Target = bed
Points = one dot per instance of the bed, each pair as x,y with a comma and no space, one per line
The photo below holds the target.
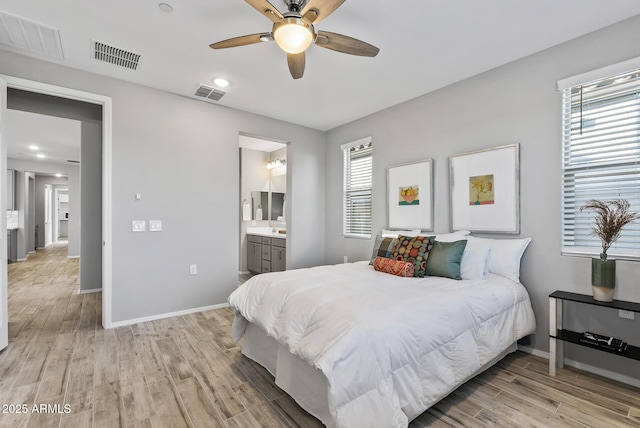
355,346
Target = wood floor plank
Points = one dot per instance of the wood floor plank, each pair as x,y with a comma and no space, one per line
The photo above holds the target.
198,404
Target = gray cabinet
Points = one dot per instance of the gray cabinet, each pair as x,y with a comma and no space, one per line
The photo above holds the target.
254,254
266,254
278,255
12,245
11,189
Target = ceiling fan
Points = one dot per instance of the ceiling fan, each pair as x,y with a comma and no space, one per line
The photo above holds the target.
294,32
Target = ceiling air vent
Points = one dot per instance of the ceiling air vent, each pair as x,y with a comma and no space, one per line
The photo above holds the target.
115,56
213,94
73,161
29,37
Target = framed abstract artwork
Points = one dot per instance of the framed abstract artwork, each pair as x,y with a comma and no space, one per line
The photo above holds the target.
410,195
485,190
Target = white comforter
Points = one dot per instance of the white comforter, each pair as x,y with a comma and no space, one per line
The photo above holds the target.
390,347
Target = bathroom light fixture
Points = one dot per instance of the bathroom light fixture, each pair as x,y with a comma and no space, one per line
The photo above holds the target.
293,35
276,163
58,175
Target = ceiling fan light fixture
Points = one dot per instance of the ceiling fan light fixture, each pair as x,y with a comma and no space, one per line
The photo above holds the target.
293,35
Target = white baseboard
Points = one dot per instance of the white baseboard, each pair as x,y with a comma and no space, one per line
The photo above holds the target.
242,272
586,367
167,315
92,290
73,257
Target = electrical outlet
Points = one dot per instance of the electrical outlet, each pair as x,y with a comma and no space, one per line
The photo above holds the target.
193,269
625,314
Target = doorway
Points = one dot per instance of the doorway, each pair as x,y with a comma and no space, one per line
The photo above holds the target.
263,204
104,130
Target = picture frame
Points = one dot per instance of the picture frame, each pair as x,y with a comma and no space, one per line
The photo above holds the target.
485,190
410,195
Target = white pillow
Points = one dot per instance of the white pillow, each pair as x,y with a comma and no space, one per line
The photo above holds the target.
474,263
387,233
505,255
457,235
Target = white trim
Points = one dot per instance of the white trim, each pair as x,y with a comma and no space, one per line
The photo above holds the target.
73,257
93,290
586,367
168,315
107,134
600,73
365,140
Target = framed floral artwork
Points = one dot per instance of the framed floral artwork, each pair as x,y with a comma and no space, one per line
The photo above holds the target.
485,190
410,196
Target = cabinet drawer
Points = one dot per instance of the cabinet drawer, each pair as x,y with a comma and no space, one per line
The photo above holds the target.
266,241
266,266
254,238
266,253
279,242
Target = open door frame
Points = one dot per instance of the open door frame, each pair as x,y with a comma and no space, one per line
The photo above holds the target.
4,306
107,251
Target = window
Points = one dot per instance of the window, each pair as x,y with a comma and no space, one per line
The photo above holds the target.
357,188
601,158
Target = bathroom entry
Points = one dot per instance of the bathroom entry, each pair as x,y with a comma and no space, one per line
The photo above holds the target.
263,197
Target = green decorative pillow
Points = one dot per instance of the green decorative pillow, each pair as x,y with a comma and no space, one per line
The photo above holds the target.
414,249
382,248
444,259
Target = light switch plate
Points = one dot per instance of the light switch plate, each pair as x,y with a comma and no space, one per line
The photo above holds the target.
138,225
155,225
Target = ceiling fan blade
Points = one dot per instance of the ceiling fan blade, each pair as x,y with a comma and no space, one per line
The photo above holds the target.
345,44
241,41
266,8
322,8
296,64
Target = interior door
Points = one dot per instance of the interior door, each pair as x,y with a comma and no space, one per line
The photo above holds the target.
4,316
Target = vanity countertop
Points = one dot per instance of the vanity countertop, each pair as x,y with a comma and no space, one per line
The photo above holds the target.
266,231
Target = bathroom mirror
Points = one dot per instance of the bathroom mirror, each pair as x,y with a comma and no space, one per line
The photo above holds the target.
277,206
260,205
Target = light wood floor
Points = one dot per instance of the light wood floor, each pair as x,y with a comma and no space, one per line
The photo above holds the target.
186,371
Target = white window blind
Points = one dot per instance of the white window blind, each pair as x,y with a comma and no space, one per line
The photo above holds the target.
601,159
357,181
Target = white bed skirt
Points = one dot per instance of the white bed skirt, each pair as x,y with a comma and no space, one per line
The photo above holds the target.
306,384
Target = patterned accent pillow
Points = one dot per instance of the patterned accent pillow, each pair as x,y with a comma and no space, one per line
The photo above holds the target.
413,249
394,267
382,248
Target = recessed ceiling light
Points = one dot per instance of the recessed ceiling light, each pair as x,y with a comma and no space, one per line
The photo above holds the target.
33,147
58,175
167,8
41,155
223,83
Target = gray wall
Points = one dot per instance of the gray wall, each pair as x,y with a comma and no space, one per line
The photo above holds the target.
515,103
181,155
91,206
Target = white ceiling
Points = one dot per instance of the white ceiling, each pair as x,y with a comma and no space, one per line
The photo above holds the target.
57,139
424,45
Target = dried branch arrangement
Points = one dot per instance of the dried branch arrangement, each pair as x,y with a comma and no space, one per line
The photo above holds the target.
610,218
